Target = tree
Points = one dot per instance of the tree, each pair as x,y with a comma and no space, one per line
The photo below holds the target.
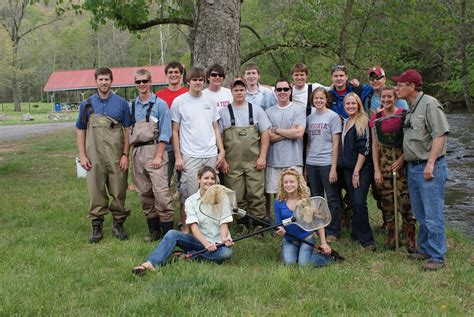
12,14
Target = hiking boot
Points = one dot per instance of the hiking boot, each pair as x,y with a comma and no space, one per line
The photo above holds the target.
166,226
97,234
369,247
153,230
432,266
410,238
331,238
418,256
117,229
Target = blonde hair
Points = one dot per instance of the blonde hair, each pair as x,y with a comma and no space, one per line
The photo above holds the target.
303,190
361,120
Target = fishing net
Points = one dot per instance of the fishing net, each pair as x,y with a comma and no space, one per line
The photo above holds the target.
218,202
389,130
312,213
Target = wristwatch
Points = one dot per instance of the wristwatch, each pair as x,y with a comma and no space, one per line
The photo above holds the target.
124,154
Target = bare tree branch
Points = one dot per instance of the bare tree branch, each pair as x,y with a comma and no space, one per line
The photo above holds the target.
159,21
39,26
251,29
276,46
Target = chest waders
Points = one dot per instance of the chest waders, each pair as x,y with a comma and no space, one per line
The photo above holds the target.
104,147
150,183
242,148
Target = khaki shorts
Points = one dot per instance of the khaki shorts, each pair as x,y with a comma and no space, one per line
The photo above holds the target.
272,177
189,177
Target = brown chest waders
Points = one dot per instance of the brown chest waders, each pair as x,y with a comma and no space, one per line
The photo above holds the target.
104,147
242,148
150,183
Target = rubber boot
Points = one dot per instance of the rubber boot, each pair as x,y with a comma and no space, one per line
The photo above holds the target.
118,231
410,238
97,234
153,229
390,243
166,226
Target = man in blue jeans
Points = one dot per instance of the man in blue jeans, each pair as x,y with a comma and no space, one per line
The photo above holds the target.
424,146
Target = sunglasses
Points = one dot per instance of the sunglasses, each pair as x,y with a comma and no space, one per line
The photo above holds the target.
339,67
372,78
217,75
143,81
285,89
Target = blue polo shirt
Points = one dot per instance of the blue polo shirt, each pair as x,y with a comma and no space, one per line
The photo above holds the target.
160,111
114,106
282,212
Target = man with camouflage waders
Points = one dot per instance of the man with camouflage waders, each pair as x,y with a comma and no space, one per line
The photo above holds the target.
102,140
246,139
149,134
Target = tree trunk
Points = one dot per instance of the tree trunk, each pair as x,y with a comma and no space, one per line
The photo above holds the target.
16,89
347,15
216,35
464,37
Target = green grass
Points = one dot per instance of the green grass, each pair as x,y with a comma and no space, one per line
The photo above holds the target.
49,268
38,110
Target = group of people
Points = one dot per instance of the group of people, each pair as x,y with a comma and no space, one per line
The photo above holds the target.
261,142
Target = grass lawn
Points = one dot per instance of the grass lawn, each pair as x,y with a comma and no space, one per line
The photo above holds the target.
38,110
49,268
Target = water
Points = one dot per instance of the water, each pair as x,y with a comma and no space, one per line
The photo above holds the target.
459,199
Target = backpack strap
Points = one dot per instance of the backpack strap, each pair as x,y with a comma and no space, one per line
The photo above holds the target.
87,108
148,111
231,113
308,101
251,122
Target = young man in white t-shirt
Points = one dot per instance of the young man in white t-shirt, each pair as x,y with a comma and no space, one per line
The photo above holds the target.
196,136
219,95
301,90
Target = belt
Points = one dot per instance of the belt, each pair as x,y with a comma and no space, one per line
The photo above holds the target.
138,144
424,161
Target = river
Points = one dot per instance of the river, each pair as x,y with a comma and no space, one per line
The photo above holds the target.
459,199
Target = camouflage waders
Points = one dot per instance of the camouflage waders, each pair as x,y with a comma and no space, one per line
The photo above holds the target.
403,199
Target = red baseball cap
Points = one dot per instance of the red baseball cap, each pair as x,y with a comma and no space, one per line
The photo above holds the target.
377,70
409,76
238,81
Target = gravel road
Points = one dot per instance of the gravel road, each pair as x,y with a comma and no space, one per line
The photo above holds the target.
14,132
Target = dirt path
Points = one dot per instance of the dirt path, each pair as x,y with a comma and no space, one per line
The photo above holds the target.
14,132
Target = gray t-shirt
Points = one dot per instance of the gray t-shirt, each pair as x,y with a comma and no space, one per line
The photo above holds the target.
287,152
241,114
321,126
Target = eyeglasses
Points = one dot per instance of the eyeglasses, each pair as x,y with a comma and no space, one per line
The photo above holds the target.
217,75
339,67
143,81
372,78
285,89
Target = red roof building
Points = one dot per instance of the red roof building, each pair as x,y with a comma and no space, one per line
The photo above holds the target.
84,79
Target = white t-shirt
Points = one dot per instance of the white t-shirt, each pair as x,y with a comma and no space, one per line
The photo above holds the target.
220,98
300,96
241,115
195,116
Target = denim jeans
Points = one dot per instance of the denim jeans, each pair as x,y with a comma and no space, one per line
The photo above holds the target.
301,253
427,202
188,243
360,226
318,177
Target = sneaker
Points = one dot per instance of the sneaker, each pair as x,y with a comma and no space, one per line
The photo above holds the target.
331,238
370,247
260,235
242,230
418,256
432,266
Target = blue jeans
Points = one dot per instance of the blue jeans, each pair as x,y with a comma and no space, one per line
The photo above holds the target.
188,243
360,226
427,202
301,253
318,177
